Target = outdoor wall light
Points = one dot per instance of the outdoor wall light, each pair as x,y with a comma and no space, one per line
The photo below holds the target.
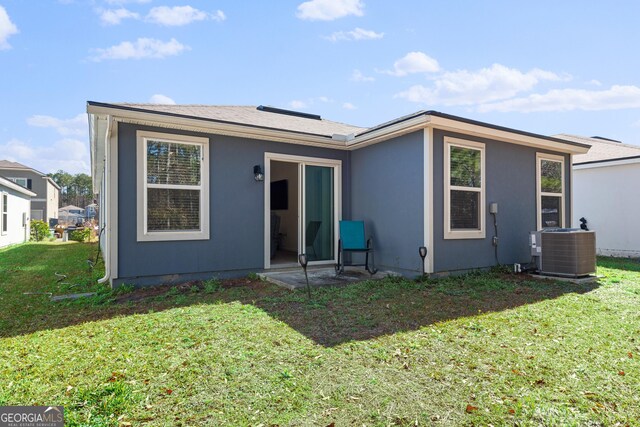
257,173
422,250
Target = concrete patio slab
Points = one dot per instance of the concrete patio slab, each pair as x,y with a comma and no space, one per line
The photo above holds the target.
320,276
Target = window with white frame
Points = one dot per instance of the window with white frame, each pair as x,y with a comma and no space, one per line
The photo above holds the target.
5,213
550,183
464,195
20,181
173,175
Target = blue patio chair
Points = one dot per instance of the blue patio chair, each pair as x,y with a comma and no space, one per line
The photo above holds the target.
352,239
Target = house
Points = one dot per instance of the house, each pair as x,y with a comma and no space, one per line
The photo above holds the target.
91,211
192,191
71,214
44,206
607,195
15,205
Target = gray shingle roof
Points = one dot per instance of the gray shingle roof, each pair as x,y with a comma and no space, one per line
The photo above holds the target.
6,164
250,115
601,150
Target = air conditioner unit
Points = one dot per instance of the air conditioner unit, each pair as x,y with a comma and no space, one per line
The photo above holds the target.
569,252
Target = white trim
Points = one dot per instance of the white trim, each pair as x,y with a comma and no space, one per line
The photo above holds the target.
428,198
570,225
504,136
143,234
4,210
388,132
373,137
114,143
540,193
606,163
450,233
13,186
302,161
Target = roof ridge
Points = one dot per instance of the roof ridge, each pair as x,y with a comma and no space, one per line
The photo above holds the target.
183,105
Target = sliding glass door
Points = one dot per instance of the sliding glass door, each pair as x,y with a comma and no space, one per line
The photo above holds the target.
318,187
319,212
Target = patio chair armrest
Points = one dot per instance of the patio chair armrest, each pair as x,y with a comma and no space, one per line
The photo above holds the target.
370,243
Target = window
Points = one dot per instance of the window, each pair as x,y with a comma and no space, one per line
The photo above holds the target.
464,189
5,212
20,181
173,177
550,189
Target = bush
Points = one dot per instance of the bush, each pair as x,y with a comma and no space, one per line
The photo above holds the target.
39,230
80,235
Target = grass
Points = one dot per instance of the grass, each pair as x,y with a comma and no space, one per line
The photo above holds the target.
480,349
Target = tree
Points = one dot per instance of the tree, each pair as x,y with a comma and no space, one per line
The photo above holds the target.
74,189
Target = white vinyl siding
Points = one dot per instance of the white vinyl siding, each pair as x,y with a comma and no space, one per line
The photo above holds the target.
172,188
464,189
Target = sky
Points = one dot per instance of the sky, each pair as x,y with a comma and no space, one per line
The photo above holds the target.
547,67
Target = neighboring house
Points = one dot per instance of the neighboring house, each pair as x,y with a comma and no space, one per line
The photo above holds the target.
71,214
15,205
182,195
607,194
44,206
91,211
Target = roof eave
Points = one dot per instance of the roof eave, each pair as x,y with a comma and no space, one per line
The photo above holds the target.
125,113
17,187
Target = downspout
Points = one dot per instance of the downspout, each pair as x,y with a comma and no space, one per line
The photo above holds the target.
106,211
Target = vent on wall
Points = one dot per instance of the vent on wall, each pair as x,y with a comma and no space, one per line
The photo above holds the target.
566,252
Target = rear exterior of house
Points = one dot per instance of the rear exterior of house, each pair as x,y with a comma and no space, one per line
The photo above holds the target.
182,198
44,206
606,194
15,205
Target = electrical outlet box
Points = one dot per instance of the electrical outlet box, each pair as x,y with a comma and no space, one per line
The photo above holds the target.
493,208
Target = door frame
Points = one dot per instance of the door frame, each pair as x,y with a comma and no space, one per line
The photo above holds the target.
301,161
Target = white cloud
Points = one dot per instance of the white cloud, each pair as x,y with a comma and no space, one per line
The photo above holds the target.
116,16
349,106
615,98
357,76
68,154
328,10
7,29
465,87
414,62
296,103
76,126
120,2
181,15
594,82
161,99
356,34
142,48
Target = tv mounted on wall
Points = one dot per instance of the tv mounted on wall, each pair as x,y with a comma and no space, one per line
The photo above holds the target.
280,195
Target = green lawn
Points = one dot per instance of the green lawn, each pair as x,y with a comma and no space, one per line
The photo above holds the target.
474,350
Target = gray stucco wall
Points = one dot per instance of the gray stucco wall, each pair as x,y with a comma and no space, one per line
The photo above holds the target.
387,193
38,186
236,242
511,182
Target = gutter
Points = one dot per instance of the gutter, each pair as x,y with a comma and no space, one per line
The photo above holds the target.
106,232
401,126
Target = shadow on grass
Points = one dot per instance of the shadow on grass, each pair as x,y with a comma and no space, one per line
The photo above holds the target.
333,316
